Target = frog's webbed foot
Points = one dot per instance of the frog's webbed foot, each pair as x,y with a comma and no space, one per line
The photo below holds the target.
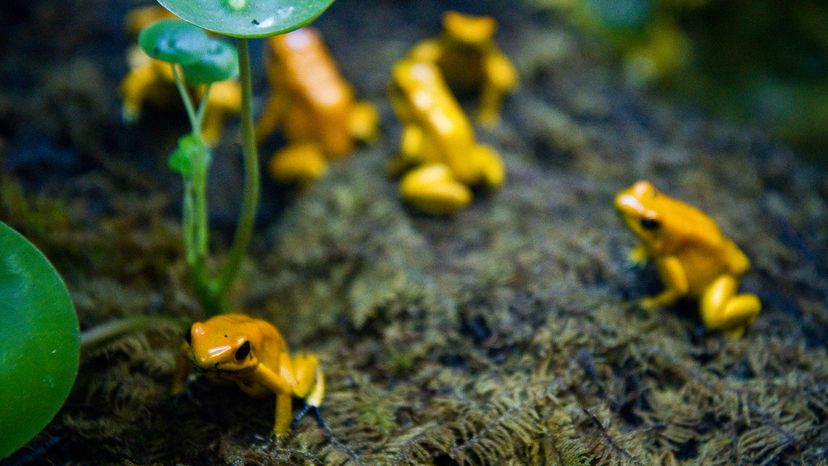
433,189
722,309
317,414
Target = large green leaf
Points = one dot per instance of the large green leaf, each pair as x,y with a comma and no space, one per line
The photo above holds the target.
39,341
248,18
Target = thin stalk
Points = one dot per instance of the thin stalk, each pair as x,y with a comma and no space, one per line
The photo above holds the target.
195,222
244,229
202,106
188,226
185,97
96,335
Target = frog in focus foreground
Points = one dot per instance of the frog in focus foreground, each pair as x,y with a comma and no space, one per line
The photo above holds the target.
314,106
692,255
252,353
438,143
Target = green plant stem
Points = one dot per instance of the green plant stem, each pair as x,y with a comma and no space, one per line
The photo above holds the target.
244,230
202,106
188,102
195,216
96,335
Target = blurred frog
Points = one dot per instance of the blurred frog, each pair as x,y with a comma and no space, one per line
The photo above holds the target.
314,106
252,353
438,142
471,61
151,81
693,257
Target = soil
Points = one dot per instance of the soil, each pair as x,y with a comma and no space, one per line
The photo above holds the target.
506,334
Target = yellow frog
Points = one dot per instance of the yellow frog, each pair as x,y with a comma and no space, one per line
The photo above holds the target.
252,353
152,81
470,60
693,257
314,106
438,140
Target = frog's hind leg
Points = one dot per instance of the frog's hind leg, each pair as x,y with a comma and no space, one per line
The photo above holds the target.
433,189
722,309
310,381
300,162
310,387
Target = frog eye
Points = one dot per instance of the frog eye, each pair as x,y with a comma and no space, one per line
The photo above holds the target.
243,351
188,335
650,224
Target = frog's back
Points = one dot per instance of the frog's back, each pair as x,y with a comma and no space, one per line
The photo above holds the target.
698,238
310,72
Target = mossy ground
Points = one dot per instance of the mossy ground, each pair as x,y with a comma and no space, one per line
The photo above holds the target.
507,334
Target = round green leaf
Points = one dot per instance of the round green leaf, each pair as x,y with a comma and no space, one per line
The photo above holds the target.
219,64
39,341
247,18
175,41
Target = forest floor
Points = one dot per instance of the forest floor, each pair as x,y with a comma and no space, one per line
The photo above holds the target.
506,334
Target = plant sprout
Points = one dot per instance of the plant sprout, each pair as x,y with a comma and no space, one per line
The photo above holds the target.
197,58
39,341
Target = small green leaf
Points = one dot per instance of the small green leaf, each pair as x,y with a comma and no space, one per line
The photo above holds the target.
39,341
248,18
220,64
175,41
190,151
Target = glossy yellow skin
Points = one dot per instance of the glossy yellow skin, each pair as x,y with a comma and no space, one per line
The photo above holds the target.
267,368
692,256
151,81
471,61
437,142
313,105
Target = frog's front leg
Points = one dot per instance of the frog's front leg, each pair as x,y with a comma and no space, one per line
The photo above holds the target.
675,284
363,122
411,146
723,309
491,166
182,370
271,116
280,386
135,88
500,78
638,255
